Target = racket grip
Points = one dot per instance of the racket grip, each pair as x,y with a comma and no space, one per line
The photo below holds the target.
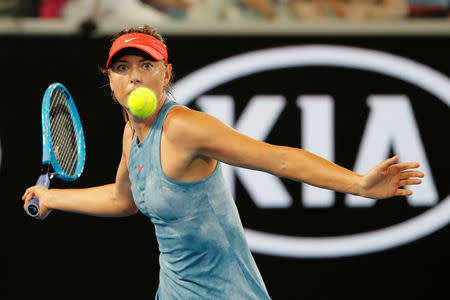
32,207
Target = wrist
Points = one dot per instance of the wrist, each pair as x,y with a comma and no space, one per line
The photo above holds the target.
357,186
49,199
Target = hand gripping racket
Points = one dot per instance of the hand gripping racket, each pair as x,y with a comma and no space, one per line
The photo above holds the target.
63,147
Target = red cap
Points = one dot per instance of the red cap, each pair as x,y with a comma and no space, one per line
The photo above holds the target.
154,47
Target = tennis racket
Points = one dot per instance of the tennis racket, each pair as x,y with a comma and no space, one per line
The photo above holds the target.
63,146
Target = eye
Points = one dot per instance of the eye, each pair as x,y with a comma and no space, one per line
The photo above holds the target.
147,65
120,67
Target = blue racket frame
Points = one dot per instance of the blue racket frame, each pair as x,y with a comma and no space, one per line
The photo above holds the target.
48,153
49,160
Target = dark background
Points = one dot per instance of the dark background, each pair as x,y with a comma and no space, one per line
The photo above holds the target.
72,256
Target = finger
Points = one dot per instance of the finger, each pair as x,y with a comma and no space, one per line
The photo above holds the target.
407,165
403,192
388,162
27,191
30,196
26,195
409,174
30,191
409,182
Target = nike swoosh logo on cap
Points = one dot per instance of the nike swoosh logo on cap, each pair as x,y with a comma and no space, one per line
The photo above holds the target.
129,40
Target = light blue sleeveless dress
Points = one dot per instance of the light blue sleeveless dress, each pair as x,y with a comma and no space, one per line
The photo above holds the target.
203,251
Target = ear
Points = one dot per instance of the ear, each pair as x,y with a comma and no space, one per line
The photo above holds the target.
168,74
109,78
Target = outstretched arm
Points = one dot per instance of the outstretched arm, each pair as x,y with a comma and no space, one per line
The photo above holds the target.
204,135
107,200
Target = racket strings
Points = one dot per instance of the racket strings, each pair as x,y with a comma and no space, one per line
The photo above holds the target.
63,134
60,133
66,138
65,156
65,142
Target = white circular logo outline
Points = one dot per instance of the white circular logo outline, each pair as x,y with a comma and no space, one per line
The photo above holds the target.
186,89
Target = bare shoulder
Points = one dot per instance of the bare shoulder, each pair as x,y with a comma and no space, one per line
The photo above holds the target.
179,122
181,115
185,124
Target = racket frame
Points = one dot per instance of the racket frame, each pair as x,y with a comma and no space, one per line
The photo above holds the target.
48,152
49,160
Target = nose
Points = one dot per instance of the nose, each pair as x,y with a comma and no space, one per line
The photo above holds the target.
135,75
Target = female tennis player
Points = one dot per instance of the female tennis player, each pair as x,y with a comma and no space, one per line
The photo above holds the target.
170,171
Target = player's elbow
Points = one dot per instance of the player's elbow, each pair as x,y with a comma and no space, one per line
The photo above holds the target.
123,206
287,163
127,208
130,211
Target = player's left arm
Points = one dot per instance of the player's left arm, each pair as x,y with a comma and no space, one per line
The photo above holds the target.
204,135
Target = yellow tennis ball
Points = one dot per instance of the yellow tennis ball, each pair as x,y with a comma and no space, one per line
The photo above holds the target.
142,102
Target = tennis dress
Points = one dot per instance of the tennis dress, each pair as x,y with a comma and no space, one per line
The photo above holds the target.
203,251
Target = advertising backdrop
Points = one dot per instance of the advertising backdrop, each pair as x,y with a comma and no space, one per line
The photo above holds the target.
355,100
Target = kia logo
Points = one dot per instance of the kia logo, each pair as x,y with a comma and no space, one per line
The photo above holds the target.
266,191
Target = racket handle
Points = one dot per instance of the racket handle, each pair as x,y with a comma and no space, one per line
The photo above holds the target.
32,207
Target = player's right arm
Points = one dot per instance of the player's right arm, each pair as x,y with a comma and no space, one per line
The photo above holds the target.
111,200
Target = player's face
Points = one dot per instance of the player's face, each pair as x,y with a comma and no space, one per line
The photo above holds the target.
131,71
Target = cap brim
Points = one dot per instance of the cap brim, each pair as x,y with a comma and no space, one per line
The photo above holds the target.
149,50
